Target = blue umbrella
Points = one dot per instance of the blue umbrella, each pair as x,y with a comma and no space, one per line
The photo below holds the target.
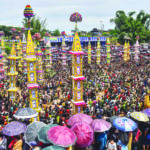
124,124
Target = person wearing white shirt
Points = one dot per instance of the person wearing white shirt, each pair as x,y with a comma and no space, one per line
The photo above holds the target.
112,145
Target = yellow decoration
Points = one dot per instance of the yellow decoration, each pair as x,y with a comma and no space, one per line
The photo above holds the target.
125,52
98,52
89,53
12,74
108,50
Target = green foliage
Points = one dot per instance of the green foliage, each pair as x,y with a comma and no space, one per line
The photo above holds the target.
56,33
36,24
7,49
127,25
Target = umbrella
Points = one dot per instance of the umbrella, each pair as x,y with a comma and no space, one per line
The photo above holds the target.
24,113
78,118
84,134
147,112
124,124
54,147
61,136
42,134
14,128
139,116
32,131
100,125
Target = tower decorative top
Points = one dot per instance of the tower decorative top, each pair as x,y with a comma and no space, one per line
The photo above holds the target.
76,17
30,47
28,12
13,51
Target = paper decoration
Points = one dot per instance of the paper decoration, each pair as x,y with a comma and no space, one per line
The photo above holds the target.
78,59
79,109
78,70
78,84
78,95
33,94
34,103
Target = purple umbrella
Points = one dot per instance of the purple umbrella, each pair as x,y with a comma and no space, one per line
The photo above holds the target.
61,136
14,128
84,134
100,125
147,111
78,118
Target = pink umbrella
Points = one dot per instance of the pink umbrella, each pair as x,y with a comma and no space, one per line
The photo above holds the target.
78,118
61,136
84,134
100,125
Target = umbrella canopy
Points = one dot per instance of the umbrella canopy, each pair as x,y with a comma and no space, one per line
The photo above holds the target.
61,136
100,125
54,147
139,116
147,112
32,131
14,128
124,124
42,134
24,113
84,134
78,118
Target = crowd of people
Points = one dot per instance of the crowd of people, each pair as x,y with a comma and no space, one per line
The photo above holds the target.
114,89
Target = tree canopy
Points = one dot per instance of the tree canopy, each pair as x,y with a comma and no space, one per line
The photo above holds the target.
131,26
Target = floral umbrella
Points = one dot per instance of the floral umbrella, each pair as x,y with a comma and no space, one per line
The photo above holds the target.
124,124
139,116
61,136
24,113
147,112
32,131
42,134
78,118
100,125
84,134
14,128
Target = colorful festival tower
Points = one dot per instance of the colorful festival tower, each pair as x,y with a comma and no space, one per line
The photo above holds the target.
4,56
1,65
108,51
19,53
98,51
63,53
39,70
48,60
31,73
89,53
77,75
136,52
24,42
125,52
13,73
128,51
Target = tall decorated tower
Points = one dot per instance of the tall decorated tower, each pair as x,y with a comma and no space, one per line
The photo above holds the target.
98,52
48,59
125,52
89,52
77,73
1,65
108,50
136,52
40,72
31,72
13,73
63,53
128,51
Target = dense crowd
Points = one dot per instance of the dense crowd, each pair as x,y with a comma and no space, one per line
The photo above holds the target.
110,90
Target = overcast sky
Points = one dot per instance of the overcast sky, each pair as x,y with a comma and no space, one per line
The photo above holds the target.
57,12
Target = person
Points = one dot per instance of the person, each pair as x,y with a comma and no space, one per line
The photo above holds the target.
16,143
111,145
3,142
34,145
146,141
101,140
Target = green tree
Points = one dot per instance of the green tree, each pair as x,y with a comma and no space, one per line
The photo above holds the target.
36,24
127,25
56,33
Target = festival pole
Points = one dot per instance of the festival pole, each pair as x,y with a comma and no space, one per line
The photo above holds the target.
12,74
77,73
98,50
108,50
1,65
128,51
136,52
89,52
125,52
63,53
